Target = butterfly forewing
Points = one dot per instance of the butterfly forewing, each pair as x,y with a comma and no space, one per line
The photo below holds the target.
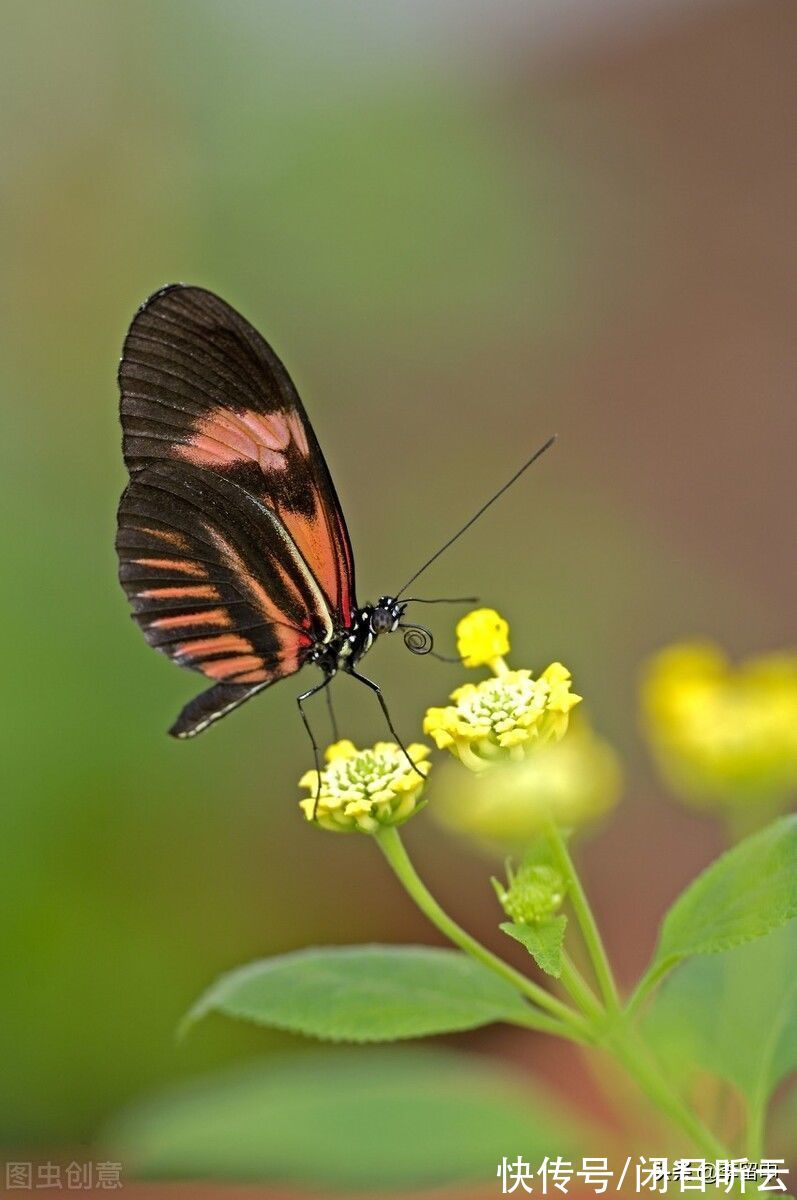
233,549
201,386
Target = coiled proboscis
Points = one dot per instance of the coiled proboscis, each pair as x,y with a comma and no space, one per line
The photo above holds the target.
418,639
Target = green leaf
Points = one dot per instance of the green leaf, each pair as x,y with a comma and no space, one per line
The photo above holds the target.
544,942
744,895
354,1118
364,993
734,1015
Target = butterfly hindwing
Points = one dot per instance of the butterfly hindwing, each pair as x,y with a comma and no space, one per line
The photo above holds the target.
201,387
214,583
213,704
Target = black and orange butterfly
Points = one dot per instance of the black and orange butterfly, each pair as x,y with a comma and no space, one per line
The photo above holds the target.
232,544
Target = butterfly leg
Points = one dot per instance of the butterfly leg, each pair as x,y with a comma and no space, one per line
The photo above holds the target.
332,720
378,692
319,687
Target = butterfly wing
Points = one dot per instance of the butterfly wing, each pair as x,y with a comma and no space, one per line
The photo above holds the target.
214,585
200,386
233,548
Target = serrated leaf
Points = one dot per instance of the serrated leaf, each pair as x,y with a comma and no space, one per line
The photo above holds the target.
734,1015
380,1119
364,993
544,942
747,893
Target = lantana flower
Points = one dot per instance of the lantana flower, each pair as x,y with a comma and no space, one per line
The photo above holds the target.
723,734
574,782
503,717
365,789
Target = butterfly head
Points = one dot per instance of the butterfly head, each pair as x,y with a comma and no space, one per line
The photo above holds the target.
386,615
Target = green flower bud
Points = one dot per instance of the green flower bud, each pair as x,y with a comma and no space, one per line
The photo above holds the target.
533,895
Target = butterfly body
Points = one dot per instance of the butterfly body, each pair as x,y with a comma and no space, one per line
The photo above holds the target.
347,646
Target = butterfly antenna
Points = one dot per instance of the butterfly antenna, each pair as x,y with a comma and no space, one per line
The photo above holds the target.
441,599
476,515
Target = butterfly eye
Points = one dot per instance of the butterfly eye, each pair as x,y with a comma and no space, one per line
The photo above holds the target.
382,620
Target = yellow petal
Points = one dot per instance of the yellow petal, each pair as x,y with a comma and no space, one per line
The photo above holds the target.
342,749
555,673
482,636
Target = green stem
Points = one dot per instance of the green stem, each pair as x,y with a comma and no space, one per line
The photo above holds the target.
626,1046
586,920
756,1117
579,990
538,1021
646,985
757,1104
567,1023
634,1056
608,1029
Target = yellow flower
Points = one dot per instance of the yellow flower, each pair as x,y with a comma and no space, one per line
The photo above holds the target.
503,717
574,781
482,638
363,789
723,735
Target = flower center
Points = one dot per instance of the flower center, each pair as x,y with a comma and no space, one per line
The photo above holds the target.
502,701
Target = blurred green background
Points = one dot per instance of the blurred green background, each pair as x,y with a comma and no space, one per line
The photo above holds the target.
463,229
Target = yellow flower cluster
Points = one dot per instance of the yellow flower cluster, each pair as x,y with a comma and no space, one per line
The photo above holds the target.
496,723
503,717
574,782
364,789
722,734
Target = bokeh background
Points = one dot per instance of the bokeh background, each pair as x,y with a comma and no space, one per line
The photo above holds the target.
463,227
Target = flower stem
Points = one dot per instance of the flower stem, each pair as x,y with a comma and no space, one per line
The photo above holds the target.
579,990
613,1028
586,920
567,1024
755,1129
629,1050
610,1029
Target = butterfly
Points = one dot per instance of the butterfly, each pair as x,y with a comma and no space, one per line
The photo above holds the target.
233,548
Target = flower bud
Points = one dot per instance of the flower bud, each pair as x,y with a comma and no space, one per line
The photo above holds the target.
482,638
533,895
